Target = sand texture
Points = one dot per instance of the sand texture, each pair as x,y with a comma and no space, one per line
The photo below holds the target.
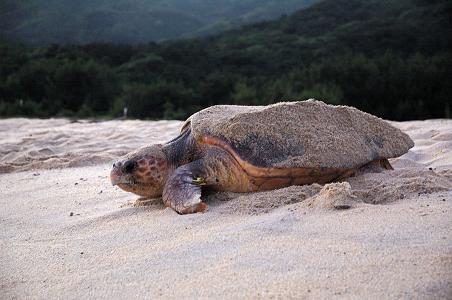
67,233
302,134
33,144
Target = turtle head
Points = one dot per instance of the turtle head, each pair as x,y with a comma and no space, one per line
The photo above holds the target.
142,172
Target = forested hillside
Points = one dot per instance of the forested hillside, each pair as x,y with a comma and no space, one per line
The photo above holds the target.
391,58
41,22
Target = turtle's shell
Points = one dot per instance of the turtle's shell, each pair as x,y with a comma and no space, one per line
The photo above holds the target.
305,134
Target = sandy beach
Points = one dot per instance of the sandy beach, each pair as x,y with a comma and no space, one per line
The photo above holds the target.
67,233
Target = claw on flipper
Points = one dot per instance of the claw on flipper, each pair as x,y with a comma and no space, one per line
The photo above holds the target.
199,181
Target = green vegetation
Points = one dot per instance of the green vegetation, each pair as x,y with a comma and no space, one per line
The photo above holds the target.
41,22
391,58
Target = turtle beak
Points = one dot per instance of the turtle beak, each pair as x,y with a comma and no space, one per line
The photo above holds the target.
116,174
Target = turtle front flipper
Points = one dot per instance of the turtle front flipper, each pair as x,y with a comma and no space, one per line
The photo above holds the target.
216,169
182,191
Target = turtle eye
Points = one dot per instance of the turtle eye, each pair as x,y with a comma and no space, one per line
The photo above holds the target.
129,166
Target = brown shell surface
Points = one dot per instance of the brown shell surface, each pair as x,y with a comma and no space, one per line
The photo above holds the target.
303,134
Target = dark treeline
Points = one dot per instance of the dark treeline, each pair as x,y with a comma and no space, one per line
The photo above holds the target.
391,58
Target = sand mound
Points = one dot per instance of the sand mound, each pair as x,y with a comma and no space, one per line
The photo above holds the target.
330,196
333,196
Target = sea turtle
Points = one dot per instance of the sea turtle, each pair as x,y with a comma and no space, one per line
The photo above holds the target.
253,148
